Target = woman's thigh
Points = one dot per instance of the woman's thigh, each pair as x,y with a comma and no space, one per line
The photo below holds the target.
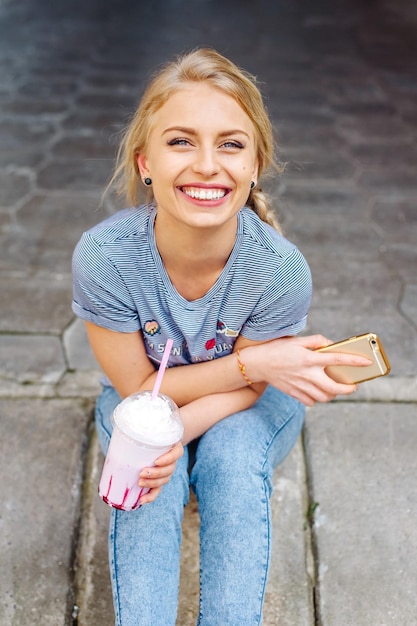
232,477
257,439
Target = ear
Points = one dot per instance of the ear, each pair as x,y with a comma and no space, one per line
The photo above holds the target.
142,162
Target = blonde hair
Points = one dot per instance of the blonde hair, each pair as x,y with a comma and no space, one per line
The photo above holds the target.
203,64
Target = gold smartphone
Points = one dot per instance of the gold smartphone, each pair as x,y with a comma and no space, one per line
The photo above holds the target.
368,345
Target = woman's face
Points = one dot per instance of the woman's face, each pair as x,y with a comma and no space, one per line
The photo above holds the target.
201,157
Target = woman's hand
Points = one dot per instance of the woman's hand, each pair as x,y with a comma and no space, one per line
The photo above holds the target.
292,365
154,478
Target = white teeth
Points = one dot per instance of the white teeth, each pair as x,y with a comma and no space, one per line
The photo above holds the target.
204,194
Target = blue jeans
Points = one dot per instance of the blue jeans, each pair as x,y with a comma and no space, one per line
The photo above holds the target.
232,478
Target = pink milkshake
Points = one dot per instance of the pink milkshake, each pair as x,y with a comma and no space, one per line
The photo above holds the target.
144,429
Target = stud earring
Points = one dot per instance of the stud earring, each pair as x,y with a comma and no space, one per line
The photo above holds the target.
252,184
147,181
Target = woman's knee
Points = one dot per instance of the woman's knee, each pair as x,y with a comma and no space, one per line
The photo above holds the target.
246,447
224,471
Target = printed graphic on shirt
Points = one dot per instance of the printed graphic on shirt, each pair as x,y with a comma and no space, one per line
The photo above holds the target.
185,351
223,329
210,344
151,328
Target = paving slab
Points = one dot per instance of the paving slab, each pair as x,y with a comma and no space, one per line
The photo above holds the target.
79,355
37,303
289,596
362,467
28,359
41,468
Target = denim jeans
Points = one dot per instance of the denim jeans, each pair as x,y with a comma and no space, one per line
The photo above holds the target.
232,478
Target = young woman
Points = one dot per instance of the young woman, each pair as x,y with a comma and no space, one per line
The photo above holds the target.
202,262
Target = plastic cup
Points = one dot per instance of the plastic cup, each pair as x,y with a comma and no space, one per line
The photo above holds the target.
143,430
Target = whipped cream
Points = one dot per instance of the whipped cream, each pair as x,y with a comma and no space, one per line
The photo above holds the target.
154,422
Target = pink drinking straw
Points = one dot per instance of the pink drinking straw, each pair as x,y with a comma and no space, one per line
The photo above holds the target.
162,367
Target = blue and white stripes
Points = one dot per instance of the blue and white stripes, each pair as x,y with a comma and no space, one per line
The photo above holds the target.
120,283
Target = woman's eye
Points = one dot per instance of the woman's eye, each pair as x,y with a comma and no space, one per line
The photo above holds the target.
233,144
178,142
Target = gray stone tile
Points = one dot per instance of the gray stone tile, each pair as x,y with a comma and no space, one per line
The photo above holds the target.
30,106
339,238
77,349
386,155
40,461
336,167
117,80
390,388
289,595
80,384
36,303
325,137
388,184
14,185
13,389
409,303
45,229
92,577
341,281
31,359
322,199
84,175
397,221
96,146
113,101
24,143
20,135
366,129
92,120
402,259
367,110
362,463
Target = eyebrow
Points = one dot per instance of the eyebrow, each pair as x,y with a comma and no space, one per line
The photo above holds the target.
191,131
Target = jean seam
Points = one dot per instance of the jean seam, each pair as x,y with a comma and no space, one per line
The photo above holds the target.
116,594
268,553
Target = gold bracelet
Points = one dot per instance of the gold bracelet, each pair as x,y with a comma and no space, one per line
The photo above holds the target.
242,369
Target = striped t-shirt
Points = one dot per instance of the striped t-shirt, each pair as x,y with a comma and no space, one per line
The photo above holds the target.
120,283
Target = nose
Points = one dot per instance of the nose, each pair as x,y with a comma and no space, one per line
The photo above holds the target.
206,162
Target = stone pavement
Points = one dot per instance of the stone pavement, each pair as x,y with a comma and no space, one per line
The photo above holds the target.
340,80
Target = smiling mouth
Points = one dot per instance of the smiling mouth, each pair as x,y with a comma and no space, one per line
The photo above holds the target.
199,193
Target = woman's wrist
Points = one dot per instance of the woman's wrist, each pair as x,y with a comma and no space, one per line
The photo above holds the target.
247,364
242,368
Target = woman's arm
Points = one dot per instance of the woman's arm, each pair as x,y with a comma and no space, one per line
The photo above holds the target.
123,358
289,363
211,391
200,415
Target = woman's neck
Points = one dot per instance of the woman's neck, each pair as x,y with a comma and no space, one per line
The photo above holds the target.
191,247
194,258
